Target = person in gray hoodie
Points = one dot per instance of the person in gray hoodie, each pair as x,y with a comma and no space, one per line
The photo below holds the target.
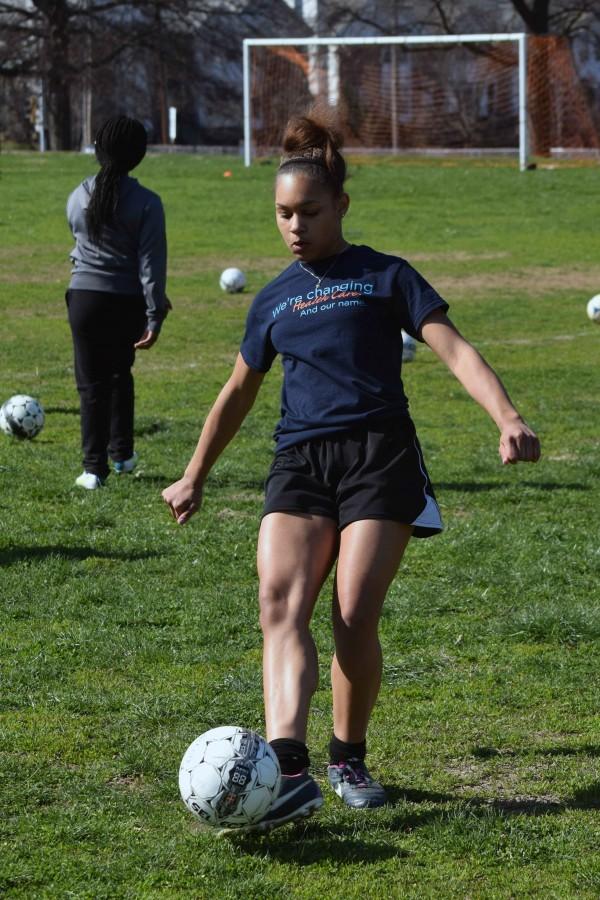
116,298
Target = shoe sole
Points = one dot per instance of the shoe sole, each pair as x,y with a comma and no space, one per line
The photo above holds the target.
264,827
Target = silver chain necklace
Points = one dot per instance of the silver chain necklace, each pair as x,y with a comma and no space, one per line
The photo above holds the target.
320,278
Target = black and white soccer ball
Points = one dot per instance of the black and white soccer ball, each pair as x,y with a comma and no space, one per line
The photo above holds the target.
21,416
229,777
593,309
232,280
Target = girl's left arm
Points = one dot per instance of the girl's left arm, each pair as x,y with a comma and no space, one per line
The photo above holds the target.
517,441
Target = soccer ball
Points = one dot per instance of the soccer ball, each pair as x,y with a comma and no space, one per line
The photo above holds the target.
593,309
232,281
409,347
229,777
21,416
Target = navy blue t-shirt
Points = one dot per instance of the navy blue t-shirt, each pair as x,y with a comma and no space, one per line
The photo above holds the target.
341,343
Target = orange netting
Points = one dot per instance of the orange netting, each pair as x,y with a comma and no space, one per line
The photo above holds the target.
404,97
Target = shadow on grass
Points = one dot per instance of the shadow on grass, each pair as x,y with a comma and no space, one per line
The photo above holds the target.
145,429
527,806
18,554
491,752
475,487
63,410
305,845
232,480
586,797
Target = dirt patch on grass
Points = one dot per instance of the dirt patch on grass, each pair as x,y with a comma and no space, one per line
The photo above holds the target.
127,782
228,513
535,281
453,256
498,784
186,266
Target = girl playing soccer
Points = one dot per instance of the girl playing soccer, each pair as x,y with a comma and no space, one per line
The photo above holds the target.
348,485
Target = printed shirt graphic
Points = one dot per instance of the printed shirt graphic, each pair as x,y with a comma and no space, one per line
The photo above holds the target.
340,343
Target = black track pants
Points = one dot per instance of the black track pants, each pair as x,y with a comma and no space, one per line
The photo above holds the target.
104,328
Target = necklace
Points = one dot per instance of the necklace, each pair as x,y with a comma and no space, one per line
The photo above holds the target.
320,278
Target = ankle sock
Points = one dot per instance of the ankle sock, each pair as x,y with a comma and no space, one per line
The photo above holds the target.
340,751
292,755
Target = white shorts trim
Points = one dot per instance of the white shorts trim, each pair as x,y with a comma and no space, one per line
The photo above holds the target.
430,517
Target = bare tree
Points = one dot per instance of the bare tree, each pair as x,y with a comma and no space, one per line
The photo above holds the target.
561,17
62,41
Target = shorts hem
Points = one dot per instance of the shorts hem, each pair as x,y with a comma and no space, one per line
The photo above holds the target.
419,531
294,510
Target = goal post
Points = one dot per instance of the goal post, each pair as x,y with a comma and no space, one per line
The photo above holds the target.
392,104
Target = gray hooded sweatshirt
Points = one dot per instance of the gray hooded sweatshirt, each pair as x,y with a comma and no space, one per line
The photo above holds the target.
132,258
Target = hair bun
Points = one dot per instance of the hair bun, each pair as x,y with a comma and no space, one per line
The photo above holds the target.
306,133
315,139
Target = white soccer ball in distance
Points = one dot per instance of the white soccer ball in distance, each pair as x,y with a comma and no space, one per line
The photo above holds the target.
229,777
593,309
232,280
21,416
409,347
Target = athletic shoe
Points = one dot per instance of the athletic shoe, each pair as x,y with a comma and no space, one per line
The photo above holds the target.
299,797
354,785
125,466
89,481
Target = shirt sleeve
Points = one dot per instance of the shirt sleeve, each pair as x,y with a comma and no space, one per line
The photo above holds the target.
257,347
419,299
152,262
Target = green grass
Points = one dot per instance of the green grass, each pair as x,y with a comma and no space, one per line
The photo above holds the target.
122,637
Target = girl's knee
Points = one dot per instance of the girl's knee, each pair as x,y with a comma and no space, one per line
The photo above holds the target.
279,608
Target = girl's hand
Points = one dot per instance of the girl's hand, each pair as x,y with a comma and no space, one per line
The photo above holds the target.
518,443
183,498
147,340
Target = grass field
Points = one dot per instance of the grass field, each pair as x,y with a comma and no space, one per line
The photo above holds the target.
122,637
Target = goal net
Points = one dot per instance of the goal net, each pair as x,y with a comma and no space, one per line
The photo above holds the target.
486,93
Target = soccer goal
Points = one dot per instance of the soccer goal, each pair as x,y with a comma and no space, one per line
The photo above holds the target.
414,94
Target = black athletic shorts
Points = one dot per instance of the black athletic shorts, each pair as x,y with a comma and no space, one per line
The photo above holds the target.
373,472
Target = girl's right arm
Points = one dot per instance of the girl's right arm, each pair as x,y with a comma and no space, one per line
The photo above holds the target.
222,424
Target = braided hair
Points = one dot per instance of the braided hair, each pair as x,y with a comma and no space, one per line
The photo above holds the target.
120,146
311,146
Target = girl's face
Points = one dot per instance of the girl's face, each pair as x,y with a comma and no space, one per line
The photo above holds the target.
309,216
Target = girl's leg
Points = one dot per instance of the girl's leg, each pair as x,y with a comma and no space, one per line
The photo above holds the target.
122,394
369,556
92,375
295,555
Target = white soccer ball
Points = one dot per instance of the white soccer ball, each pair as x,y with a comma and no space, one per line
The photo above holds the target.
593,309
21,416
229,777
232,281
409,347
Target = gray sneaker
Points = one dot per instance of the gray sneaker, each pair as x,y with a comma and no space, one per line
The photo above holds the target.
126,466
299,797
354,785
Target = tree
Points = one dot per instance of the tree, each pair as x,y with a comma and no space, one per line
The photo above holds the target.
45,39
62,41
561,17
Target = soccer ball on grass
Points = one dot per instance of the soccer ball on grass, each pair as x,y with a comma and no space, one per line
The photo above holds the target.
21,416
229,777
593,309
232,280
